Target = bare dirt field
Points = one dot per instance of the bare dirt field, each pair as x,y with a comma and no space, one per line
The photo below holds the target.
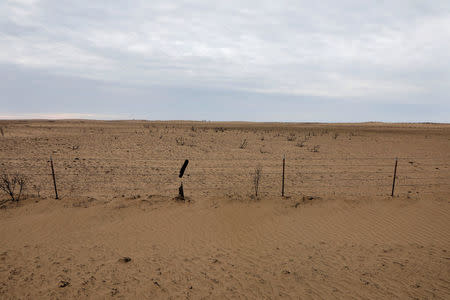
337,233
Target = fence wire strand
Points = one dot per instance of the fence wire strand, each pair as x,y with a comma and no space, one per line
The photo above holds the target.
224,174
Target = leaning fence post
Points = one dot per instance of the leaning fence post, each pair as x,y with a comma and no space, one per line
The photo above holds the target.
282,182
54,178
180,189
395,175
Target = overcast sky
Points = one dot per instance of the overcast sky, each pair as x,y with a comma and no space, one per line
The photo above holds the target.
332,61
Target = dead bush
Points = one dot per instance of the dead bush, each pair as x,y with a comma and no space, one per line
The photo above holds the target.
256,179
243,144
291,137
300,143
315,148
13,185
262,150
37,189
180,141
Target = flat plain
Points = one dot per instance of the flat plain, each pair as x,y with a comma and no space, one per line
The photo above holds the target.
336,233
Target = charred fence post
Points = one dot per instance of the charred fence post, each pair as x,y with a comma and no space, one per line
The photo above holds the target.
180,189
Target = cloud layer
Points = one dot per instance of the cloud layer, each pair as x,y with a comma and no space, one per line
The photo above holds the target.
318,55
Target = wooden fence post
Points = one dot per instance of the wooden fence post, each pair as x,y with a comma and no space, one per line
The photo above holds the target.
181,192
180,189
282,183
395,175
54,178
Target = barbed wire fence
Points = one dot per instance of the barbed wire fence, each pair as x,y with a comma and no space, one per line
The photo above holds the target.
229,177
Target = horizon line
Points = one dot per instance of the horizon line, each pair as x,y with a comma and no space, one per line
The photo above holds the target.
215,121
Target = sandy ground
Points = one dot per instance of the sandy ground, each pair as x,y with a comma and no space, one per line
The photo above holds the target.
337,233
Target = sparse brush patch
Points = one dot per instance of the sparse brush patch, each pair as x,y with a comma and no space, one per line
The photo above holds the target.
37,188
13,185
180,141
291,137
300,143
243,144
256,179
219,129
315,148
335,135
2,132
262,150
233,196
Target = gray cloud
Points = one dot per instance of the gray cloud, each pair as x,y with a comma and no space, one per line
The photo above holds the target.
369,53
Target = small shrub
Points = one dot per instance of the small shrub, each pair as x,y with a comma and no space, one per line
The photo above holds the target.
291,137
37,188
256,179
243,144
262,150
2,132
13,185
180,141
300,143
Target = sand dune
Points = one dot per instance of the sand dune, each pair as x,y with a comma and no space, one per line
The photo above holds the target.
337,234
